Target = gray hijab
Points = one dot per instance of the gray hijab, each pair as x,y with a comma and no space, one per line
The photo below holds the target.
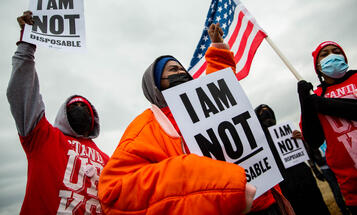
151,92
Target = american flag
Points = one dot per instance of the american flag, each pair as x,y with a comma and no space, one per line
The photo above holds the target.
241,33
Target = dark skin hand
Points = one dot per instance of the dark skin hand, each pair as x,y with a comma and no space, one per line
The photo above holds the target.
26,18
215,33
297,134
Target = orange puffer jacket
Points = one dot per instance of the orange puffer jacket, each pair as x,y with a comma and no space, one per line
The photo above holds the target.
149,173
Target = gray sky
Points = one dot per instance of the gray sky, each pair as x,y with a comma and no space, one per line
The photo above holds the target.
124,37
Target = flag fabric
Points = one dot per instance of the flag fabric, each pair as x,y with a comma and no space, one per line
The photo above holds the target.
241,33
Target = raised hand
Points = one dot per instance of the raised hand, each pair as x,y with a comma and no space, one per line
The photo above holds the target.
215,33
26,18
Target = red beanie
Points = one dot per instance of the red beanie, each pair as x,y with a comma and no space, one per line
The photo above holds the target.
85,101
315,53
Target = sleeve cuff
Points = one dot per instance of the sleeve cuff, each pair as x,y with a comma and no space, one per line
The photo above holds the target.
220,45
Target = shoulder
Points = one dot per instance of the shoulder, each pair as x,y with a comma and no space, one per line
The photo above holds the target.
138,125
42,127
43,133
141,121
352,73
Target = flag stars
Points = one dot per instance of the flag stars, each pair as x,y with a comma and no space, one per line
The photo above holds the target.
202,47
230,12
225,16
199,55
205,38
218,18
220,9
225,5
224,26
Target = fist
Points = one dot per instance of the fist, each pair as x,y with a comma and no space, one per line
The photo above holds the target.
304,88
215,33
26,18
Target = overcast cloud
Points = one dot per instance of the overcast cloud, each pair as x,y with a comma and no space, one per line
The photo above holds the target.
124,37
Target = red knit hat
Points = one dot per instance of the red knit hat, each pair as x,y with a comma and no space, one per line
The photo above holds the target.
85,101
315,53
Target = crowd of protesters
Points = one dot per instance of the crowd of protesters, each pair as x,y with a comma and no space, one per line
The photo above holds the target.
151,171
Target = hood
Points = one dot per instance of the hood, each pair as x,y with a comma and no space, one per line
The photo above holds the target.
151,92
316,53
62,123
259,108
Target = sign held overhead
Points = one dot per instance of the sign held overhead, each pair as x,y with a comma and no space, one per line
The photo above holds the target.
57,24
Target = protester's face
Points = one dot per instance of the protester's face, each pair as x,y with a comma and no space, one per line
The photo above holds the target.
263,110
327,50
266,117
171,68
78,104
79,118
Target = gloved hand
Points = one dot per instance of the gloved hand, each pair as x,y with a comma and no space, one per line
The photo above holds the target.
304,88
317,173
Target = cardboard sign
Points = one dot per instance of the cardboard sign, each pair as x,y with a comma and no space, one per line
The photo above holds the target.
217,120
57,24
292,151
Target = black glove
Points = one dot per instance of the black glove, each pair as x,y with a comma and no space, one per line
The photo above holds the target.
317,173
304,88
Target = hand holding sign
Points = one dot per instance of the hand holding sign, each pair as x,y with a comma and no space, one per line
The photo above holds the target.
55,24
26,18
297,134
250,191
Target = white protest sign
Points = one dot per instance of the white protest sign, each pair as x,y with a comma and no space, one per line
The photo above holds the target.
57,24
291,151
217,120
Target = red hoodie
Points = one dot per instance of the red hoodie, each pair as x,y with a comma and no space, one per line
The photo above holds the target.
341,140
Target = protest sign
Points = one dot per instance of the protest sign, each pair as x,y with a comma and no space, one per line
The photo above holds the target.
291,151
217,120
57,24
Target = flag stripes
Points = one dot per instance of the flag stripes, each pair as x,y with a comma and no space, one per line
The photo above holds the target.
243,37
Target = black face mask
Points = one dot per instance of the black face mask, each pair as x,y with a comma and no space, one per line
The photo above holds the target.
79,119
267,118
179,78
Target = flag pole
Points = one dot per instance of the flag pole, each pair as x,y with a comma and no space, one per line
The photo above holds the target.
284,59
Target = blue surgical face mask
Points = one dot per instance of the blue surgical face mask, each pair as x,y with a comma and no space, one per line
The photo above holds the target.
334,66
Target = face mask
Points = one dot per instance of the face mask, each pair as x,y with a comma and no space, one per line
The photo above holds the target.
334,66
179,78
79,119
267,118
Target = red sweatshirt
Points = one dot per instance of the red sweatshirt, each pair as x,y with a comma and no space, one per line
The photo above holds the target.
341,140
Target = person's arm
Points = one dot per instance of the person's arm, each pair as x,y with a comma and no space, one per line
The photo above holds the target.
218,56
310,123
140,176
338,107
23,93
